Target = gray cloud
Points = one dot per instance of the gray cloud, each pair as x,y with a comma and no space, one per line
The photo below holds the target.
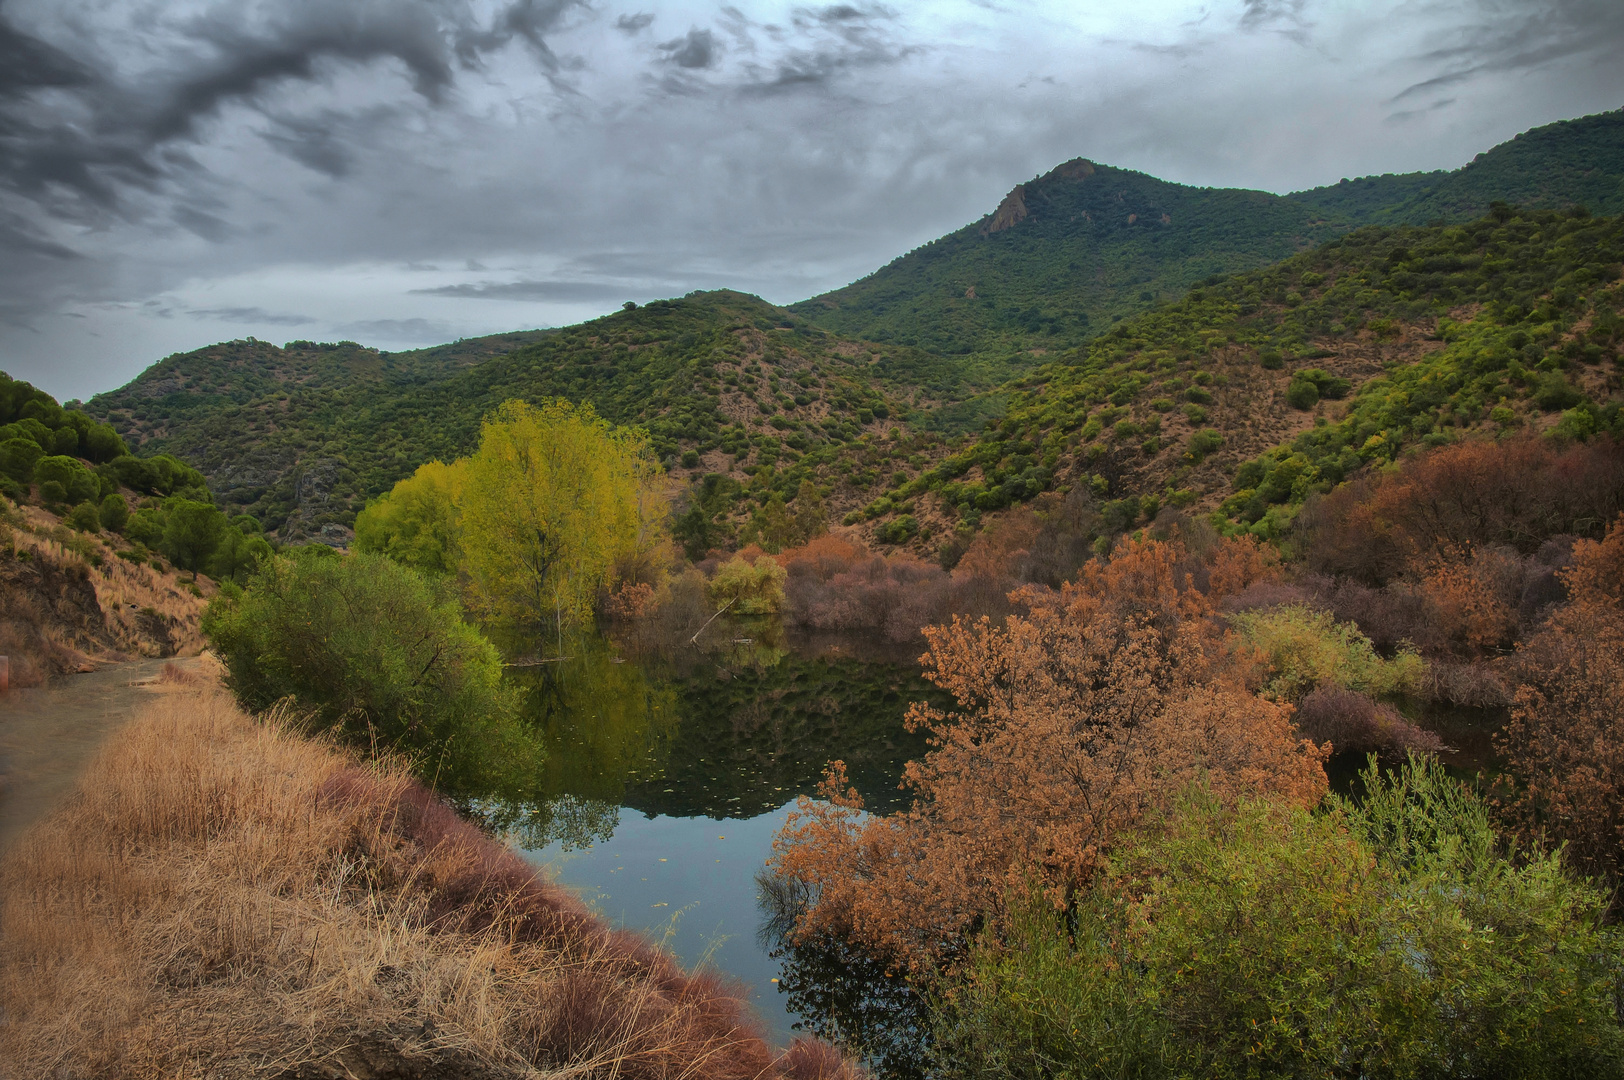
528,290
360,165
698,49
399,330
74,136
250,315
1497,38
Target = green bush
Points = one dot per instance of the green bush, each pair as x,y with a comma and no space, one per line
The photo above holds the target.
18,456
86,518
898,530
1203,443
77,482
370,648
755,589
1555,393
1302,393
1397,938
1306,648
114,512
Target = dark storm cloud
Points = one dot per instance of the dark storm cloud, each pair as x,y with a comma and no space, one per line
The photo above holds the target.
75,137
528,290
820,44
697,49
1498,38
632,24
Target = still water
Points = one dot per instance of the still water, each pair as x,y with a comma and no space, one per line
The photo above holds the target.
669,767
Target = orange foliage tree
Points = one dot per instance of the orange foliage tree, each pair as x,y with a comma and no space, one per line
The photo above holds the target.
1565,739
1102,702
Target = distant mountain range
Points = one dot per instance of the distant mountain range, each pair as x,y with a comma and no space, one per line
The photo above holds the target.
1071,252
943,338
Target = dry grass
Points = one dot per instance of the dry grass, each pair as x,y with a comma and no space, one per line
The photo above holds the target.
67,600
222,897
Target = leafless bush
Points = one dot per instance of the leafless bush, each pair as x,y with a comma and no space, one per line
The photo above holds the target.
1349,720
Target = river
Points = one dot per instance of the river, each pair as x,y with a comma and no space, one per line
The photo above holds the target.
670,766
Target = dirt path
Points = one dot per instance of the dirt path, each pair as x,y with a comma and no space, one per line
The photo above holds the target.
48,734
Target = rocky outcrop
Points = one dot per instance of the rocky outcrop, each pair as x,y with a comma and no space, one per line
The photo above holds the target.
1010,213
1013,210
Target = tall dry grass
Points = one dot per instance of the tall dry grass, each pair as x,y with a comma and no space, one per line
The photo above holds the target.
222,897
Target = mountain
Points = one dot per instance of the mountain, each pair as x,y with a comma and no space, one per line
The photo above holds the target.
1068,254
302,436
1248,395
975,331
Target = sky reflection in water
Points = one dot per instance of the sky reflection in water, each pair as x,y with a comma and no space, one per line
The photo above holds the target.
669,769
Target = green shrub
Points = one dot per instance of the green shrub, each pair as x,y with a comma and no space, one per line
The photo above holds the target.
18,456
1393,939
1555,393
1302,393
1203,443
1271,359
1306,648
77,483
86,518
114,512
898,530
370,648
755,588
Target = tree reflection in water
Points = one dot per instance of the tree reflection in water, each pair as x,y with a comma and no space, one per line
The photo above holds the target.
841,993
731,730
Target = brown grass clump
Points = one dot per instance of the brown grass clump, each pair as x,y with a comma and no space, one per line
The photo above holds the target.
222,897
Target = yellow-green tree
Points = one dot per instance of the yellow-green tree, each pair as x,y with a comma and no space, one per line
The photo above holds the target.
417,522
552,502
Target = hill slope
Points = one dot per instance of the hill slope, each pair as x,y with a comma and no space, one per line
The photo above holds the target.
1270,385
301,437
1067,254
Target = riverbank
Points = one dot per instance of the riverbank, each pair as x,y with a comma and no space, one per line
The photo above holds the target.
222,897
48,734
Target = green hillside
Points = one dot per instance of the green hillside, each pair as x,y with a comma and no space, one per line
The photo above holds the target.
1037,295
1259,389
302,436
1070,253
1572,162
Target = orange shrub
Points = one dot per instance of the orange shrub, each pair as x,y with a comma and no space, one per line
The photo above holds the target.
1565,739
1101,703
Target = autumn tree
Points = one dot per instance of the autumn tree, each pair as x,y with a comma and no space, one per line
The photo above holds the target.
416,523
552,500
1075,720
1565,738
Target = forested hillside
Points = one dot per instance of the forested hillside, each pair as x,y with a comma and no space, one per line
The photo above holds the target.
1259,389
301,437
1077,289
1071,252
1571,162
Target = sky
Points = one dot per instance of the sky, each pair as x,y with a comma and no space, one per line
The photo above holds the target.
408,172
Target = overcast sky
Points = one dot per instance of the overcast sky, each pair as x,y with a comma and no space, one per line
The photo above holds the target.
406,172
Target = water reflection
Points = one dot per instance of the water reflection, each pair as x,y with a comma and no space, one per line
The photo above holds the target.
666,767
730,730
